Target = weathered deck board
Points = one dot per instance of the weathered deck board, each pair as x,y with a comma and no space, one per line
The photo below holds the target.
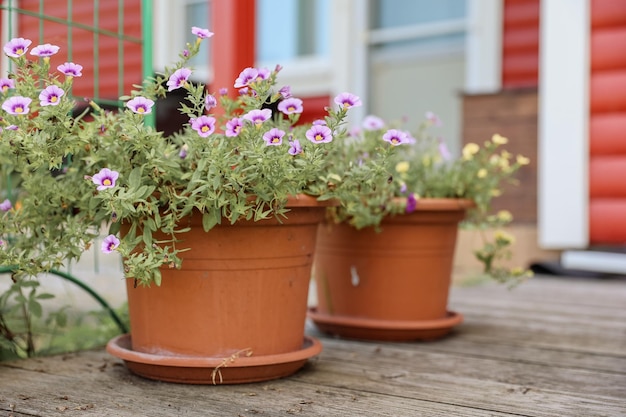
551,347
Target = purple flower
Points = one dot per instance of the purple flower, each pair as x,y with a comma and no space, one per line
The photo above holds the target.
319,122
183,151
347,100
6,84
105,179
443,150
201,33
210,101
233,127
433,118
290,106
285,91
140,105
223,91
204,125
70,69
319,134
373,123
411,203
6,205
17,105
12,127
403,188
257,117
51,96
17,47
274,137
110,243
395,137
294,147
246,77
46,50
178,78
263,73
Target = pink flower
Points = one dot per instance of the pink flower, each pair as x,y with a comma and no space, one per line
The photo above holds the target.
178,78
46,50
257,117
70,69
204,125
273,137
319,134
233,127
140,105
290,106
17,105
105,178
201,33
395,137
373,123
246,77
17,47
110,243
51,96
347,100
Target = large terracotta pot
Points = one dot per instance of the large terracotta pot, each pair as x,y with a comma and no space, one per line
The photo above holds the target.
392,284
236,310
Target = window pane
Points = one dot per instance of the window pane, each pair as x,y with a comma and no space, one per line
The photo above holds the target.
392,13
288,29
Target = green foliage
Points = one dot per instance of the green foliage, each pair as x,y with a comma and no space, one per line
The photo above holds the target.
374,179
58,210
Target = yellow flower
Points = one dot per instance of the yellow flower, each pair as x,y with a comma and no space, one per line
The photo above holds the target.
402,167
470,150
522,160
504,215
503,237
482,173
426,160
499,140
495,192
494,159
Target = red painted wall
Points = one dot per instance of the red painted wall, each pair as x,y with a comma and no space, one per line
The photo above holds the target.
607,123
520,44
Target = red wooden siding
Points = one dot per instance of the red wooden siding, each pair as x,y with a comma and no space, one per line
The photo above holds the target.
520,44
83,41
607,126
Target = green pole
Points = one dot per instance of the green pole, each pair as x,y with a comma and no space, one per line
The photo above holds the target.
146,50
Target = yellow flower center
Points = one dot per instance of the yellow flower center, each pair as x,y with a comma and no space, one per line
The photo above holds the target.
141,109
319,137
54,99
204,129
19,109
106,182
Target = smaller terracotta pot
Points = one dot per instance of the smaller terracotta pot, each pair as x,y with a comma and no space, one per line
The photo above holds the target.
395,281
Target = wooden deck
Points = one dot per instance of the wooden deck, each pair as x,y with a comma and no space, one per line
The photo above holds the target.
551,347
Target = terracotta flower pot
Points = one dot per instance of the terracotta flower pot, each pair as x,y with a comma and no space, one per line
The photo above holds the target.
236,310
391,285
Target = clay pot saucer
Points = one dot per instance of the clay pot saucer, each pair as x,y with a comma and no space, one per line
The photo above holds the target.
235,369
384,330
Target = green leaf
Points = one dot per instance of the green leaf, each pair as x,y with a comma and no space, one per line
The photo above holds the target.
35,308
134,179
210,219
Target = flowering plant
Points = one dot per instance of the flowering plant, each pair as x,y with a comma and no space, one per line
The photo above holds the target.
383,170
236,158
